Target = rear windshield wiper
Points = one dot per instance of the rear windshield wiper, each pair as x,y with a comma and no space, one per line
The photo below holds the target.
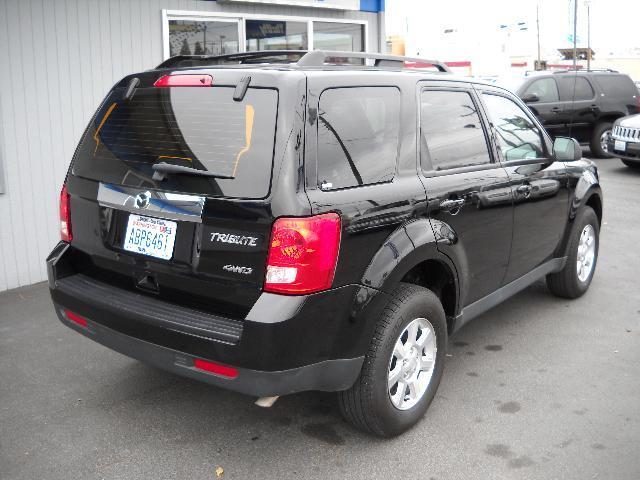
160,171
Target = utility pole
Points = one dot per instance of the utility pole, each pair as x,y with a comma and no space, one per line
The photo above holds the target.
575,34
588,35
538,27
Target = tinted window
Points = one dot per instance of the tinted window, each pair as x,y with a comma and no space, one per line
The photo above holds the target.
617,85
187,37
357,136
545,88
202,128
452,135
275,35
343,37
517,137
583,89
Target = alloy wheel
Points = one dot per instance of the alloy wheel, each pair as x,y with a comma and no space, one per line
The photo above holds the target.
604,139
586,253
412,364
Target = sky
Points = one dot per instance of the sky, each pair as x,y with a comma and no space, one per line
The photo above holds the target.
614,25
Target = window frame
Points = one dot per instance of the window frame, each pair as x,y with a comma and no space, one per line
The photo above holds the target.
544,139
484,121
317,135
202,16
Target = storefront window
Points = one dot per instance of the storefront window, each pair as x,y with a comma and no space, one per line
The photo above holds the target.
276,35
187,37
342,37
218,35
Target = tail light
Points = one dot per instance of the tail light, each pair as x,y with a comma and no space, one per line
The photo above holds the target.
216,368
65,215
186,80
303,254
75,318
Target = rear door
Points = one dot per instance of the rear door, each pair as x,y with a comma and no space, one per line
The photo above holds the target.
468,192
548,109
581,107
539,184
195,240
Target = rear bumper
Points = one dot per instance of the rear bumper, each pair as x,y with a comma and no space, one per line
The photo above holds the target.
285,345
631,153
328,375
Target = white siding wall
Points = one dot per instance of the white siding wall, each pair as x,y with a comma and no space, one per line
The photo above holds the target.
59,58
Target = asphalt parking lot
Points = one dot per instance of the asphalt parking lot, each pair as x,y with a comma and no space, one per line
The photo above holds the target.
538,388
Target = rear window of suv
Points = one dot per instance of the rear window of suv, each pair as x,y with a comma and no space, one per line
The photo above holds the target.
616,85
358,132
201,128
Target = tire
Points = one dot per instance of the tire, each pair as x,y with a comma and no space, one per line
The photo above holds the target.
595,144
567,283
633,165
367,405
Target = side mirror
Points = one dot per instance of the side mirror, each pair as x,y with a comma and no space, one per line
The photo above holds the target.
566,149
531,98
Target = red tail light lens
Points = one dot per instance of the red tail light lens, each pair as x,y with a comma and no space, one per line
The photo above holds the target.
303,254
216,368
75,318
188,80
65,215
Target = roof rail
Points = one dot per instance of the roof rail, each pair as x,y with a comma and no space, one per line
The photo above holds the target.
286,56
302,58
565,70
317,58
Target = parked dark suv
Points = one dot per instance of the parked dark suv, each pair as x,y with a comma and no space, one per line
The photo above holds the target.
582,105
311,224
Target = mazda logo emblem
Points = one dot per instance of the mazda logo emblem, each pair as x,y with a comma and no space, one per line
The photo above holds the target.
142,200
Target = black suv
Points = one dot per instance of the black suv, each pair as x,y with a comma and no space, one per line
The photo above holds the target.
579,104
273,227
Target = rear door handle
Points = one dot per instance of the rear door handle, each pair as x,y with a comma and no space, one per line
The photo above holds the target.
556,110
452,205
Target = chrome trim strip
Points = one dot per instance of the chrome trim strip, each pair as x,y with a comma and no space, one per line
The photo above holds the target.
167,205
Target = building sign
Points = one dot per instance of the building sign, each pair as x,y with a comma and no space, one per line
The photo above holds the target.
265,29
334,4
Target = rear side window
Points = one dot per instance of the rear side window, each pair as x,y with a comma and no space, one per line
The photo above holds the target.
617,85
452,134
545,88
583,88
202,128
358,130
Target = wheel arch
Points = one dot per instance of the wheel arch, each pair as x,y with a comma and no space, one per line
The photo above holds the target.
410,255
587,192
594,200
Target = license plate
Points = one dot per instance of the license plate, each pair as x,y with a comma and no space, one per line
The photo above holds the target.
150,236
620,145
